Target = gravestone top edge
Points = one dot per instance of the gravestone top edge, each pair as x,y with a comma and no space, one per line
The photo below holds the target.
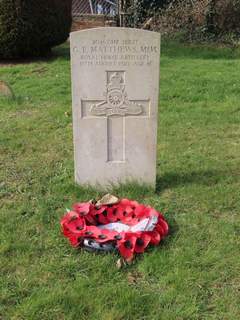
109,29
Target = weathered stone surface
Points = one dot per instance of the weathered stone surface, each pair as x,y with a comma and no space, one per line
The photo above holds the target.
115,82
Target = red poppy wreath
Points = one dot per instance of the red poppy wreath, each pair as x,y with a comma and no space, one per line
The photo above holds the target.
112,223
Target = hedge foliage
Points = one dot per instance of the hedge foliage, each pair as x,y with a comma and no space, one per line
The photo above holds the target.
32,27
197,19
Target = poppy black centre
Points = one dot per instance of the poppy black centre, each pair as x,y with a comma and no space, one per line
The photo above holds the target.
73,218
128,244
105,213
140,242
102,236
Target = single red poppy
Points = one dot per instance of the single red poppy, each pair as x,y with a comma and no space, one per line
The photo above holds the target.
120,213
112,214
160,230
127,245
90,219
72,223
155,237
127,202
130,220
102,219
141,211
70,215
124,202
98,210
142,242
82,208
164,226
74,240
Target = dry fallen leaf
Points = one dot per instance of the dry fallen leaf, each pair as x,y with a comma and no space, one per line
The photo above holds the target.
107,200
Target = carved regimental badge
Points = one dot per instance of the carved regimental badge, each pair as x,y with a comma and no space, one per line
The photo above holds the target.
116,102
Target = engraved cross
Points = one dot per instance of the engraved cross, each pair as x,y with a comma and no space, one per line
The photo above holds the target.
116,107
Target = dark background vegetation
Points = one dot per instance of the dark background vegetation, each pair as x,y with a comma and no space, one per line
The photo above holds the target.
196,20
32,28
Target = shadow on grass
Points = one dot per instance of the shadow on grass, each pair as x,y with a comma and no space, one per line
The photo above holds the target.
201,177
72,192
127,190
134,190
62,51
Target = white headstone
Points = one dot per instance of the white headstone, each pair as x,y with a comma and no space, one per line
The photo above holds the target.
115,84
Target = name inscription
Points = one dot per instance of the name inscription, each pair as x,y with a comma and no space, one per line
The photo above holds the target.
114,52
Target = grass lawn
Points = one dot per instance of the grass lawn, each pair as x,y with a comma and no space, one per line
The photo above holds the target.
195,272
